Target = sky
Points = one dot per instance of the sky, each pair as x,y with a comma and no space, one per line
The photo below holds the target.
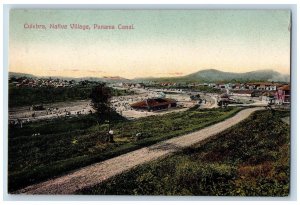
163,43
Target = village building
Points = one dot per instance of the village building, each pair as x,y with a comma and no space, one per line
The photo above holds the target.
238,86
168,84
212,85
244,93
222,86
283,95
223,100
153,104
268,97
130,85
263,86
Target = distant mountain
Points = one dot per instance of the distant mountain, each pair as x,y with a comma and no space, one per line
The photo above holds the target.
112,79
209,75
19,75
213,75
259,75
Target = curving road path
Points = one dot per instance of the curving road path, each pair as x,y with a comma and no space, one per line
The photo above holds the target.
99,172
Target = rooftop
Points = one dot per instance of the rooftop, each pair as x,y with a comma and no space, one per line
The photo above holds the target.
152,102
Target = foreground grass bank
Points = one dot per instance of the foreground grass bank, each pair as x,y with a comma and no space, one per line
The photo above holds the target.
68,144
251,159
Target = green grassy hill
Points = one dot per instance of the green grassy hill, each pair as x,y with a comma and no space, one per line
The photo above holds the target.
251,159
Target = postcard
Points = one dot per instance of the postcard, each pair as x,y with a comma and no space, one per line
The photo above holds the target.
149,102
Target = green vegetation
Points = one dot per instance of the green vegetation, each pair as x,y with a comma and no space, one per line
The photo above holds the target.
100,97
22,96
199,88
66,144
251,159
206,89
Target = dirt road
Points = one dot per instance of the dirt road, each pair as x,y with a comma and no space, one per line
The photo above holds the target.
99,172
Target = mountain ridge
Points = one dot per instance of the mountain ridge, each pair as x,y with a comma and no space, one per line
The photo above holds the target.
103,79
213,75
206,75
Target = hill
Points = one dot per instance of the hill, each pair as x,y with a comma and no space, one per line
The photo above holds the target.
208,75
19,75
259,75
213,75
103,79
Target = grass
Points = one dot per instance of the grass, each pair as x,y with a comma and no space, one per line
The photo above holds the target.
22,96
251,159
68,144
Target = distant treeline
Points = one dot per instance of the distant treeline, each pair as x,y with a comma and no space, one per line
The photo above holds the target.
206,89
199,88
23,96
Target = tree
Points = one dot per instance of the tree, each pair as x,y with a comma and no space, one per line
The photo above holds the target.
100,97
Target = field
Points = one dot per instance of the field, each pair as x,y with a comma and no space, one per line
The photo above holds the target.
69,143
23,96
250,159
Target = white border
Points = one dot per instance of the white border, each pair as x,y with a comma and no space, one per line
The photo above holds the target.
110,5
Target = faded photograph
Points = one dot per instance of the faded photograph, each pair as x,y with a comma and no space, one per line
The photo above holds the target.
149,102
